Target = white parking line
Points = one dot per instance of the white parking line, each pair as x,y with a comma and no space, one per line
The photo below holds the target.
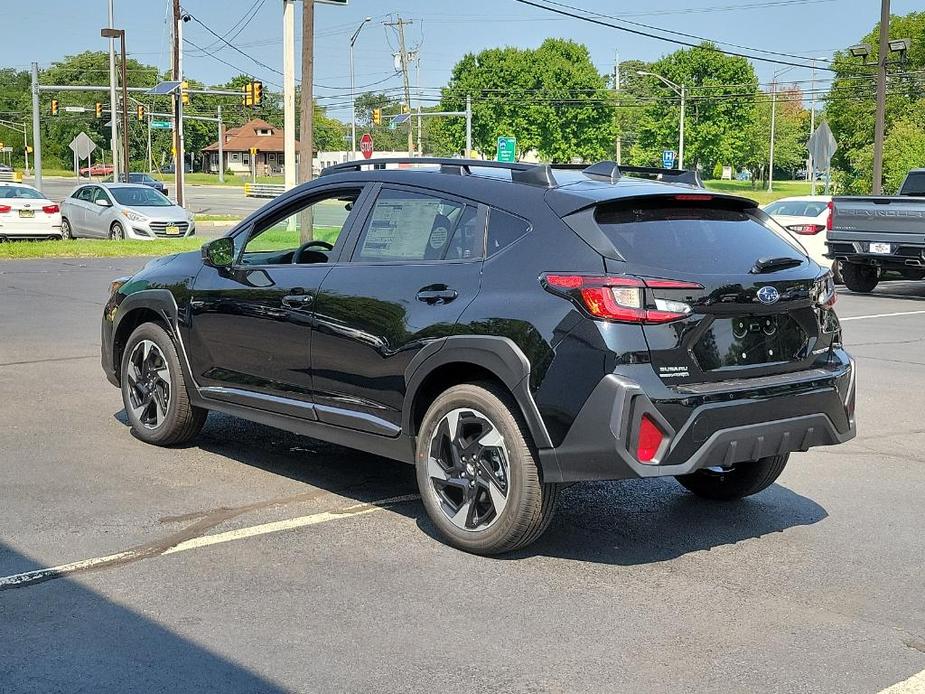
882,315
913,685
38,575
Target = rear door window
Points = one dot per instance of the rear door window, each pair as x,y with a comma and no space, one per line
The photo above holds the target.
677,235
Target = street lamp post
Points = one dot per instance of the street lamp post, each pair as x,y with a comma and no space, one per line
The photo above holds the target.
353,98
110,33
681,91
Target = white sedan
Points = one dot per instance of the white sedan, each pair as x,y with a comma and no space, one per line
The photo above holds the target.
807,218
25,213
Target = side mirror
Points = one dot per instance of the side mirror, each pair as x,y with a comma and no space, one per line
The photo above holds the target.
103,202
219,252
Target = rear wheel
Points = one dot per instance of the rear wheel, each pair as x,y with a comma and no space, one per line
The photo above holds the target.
66,233
117,232
737,481
859,278
153,389
478,476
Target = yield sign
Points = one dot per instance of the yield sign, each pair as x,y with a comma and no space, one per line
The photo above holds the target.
366,145
822,146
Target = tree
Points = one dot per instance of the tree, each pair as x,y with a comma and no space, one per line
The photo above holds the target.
720,90
385,138
851,103
551,99
791,131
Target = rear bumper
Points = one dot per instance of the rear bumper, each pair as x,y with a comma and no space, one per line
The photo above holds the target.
850,248
719,424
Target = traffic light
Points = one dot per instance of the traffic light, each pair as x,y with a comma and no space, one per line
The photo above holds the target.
257,91
184,97
248,89
99,110
377,116
54,107
140,112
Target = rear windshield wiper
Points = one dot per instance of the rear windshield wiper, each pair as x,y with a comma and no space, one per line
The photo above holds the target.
763,265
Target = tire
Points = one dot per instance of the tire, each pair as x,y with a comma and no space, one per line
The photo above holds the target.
741,480
498,462
859,278
836,272
66,233
117,232
167,418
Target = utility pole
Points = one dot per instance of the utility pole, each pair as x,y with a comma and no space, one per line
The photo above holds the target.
882,55
811,169
150,153
221,147
353,95
126,156
289,167
468,126
773,114
114,132
616,90
307,120
36,127
179,154
403,52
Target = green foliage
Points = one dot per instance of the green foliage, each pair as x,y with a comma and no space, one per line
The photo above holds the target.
791,131
715,124
552,99
851,103
903,149
384,138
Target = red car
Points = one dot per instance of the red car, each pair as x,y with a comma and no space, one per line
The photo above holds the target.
97,170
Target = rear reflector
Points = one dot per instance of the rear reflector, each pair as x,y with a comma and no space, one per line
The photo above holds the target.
617,298
650,439
806,229
51,209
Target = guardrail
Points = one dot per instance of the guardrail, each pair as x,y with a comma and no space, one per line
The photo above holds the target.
263,190
11,176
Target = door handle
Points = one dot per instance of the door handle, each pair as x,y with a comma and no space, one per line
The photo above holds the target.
436,296
296,300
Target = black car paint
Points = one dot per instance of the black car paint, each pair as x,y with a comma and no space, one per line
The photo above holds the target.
349,368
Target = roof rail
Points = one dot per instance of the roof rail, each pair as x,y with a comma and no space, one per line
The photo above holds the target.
521,172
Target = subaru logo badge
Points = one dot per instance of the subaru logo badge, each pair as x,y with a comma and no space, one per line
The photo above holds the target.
768,295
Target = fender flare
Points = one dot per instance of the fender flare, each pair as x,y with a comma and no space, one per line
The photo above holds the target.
499,355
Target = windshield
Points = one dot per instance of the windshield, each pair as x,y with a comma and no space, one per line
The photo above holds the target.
139,197
691,238
21,192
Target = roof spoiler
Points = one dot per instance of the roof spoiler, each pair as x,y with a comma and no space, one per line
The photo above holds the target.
611,172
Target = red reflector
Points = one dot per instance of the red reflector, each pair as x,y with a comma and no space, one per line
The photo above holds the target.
5,208
650,439
693,197
50,209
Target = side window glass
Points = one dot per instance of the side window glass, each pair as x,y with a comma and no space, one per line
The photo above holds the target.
275,240
504,229
406,226
99,194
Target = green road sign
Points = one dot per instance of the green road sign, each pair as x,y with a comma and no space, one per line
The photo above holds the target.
161,124
507,149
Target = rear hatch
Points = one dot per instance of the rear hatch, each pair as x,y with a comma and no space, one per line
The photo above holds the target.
742,298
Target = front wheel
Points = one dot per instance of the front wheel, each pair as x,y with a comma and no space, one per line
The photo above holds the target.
478,477
737,481
154,391
859,278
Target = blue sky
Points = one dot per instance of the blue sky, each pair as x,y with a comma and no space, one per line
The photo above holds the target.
444,30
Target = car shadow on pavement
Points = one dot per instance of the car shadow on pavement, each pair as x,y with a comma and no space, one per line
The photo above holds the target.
61,636
625,522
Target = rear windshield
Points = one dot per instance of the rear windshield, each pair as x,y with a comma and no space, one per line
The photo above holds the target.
686,238
914,184
8,192
139,197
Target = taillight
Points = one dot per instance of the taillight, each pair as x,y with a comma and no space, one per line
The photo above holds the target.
51,209
826,296
806,229
5,208
649,440
619,298
830,220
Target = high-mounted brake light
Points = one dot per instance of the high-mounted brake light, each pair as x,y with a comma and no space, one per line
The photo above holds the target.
619,298
806,229
650,439
693,197
51,209
830,220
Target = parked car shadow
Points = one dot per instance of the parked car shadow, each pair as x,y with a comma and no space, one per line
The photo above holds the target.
627,522
61,636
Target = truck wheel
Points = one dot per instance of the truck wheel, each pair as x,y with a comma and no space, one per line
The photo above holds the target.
478,476
740,480
859,278
154,391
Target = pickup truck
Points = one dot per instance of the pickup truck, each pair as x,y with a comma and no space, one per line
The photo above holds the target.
869,236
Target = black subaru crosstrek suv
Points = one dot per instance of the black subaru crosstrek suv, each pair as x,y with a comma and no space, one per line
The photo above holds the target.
506,328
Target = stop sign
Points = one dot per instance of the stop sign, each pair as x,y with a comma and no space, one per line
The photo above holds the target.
366,145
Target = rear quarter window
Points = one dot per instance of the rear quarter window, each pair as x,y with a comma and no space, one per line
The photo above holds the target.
674,235
914,184
504,229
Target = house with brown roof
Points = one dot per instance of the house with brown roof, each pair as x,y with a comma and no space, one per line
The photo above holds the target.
257,135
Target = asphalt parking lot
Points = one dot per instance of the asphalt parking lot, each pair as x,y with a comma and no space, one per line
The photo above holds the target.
259,561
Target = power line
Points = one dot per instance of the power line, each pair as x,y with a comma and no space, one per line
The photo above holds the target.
225,62
230,45
638,32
